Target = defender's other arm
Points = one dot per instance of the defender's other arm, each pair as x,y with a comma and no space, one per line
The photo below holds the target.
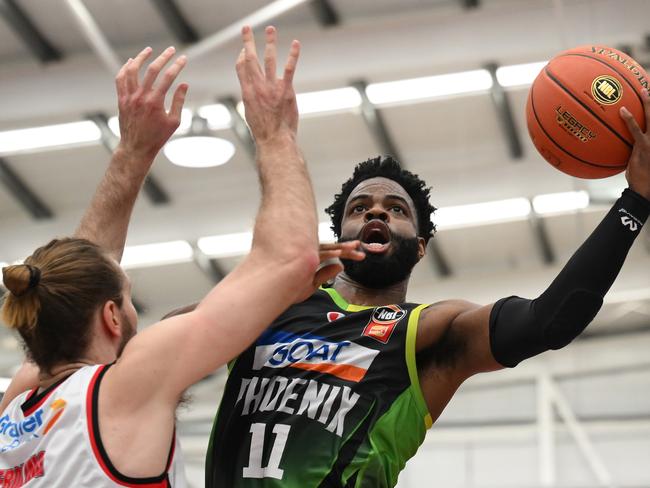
513,329
277,272
145,127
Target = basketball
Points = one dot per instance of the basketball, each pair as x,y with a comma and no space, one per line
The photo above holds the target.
573,110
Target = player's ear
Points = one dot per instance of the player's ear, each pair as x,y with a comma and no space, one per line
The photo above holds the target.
422,247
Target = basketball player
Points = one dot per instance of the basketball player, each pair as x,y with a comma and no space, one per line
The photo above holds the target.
340,390
102,413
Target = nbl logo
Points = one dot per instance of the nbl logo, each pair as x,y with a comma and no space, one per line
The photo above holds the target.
383,322
606,90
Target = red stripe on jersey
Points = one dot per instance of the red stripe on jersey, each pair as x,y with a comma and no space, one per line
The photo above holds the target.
95,440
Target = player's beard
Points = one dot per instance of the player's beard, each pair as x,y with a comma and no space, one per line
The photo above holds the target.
128,331
383,270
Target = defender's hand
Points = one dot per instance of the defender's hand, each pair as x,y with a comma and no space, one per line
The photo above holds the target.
330,264
145,126
270,102
638,166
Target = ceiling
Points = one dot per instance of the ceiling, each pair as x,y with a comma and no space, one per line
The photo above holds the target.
455,143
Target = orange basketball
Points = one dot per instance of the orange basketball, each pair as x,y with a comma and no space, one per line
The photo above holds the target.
573,110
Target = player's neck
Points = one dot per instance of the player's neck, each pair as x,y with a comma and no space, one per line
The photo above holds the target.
354,292
59,372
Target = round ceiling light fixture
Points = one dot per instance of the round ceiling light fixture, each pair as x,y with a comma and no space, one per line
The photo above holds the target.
199,149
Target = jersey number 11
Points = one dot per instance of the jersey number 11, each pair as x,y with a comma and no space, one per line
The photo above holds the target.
272,470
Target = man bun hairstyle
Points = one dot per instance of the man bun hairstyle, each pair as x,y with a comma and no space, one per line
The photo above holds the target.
386,167
53,296
21,280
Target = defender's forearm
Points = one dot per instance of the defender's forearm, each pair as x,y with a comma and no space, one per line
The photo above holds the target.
106,220
287,220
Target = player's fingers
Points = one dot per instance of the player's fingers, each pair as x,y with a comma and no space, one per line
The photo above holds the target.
120,79
270,53
170,75
353,254
252,63
646,108
632,125
339,245
292,62
177,102
134,68
156,65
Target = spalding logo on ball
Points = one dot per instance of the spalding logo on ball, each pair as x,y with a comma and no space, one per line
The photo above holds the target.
573,110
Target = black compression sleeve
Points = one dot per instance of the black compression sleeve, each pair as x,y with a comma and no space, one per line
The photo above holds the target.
521,328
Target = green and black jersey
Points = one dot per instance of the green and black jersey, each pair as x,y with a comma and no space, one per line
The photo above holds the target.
328,396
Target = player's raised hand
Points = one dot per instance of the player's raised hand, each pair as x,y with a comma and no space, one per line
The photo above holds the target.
270,102
145,125
638,166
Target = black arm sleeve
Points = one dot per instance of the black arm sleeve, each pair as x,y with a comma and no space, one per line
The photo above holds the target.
521,328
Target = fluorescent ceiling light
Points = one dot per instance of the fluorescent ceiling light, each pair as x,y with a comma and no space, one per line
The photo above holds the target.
429,87
199,151
317,102
560,202
241,110
328,100
226,245
17,140
481,213
519,74
217,115
238,244
183,128
157,254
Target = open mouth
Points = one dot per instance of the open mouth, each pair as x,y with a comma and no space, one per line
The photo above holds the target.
375,237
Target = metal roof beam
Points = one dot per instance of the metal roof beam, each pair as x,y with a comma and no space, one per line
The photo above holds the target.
468,4
25,28
375,122
93,34
239,125
504,113
325,13
260,17
21,192
377,126
176,22
544,246
209,266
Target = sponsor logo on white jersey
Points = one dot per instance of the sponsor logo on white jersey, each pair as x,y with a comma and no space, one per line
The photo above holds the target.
346,360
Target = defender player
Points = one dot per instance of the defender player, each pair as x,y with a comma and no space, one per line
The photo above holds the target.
102,412
341,388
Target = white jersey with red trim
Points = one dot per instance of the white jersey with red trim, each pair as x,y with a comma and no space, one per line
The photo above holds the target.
52,440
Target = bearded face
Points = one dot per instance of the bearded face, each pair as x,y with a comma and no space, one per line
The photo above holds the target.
381,214
381,270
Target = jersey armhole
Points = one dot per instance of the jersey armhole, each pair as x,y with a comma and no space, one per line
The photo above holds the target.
101,456
411,335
